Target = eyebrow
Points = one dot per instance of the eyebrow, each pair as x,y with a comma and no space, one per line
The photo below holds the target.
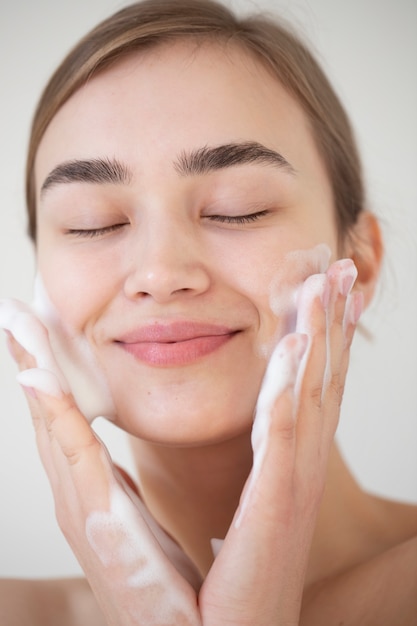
88,171
207,159
200,161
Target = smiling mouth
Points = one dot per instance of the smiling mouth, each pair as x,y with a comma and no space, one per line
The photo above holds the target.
175,344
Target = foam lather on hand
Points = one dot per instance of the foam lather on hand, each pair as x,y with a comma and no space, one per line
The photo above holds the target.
18,319
282,372
63,361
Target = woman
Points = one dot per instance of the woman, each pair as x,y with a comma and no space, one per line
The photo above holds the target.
196,199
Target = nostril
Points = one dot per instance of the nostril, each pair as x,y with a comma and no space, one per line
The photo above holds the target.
164,281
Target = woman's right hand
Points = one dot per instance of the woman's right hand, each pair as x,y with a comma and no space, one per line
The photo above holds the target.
138,574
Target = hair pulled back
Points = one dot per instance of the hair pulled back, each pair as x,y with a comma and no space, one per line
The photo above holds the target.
149,23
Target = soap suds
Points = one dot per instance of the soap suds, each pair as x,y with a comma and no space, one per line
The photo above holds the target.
287,364
216,545
284,288
76,359
121,539
40,380
296,267
281,372
300,279
19,320
66,356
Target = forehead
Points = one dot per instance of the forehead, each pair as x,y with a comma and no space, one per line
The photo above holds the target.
175,97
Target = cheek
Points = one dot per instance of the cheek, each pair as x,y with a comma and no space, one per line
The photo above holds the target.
66,308
79,289
271,282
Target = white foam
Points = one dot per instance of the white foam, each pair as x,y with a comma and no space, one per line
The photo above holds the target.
216,545
285,286
17,318
66,355
122,540
75,358
297,281
296,267
281,372
42,380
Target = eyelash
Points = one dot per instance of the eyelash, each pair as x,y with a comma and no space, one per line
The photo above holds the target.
238,219
94,232
224,219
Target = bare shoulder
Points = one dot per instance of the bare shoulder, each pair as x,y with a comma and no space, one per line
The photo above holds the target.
378,585
48,602
395,522
381,591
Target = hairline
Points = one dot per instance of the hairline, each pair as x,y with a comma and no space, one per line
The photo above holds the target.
228,40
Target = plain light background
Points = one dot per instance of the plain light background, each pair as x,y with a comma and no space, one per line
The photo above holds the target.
369,49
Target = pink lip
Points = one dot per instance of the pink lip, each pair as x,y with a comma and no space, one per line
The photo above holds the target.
177,343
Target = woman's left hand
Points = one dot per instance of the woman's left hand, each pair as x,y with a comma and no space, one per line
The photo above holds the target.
258,576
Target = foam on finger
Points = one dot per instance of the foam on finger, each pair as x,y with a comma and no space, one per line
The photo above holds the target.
41,380
281,373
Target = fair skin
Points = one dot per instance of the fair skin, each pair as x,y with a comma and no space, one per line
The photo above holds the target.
183,254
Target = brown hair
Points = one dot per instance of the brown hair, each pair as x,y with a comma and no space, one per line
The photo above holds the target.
152,22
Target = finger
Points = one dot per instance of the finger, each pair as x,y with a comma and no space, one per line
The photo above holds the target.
276,519
273,433
95,511
237,588
18,319
20,356
354,308
68,446
119,553
132,577
322,314
341,277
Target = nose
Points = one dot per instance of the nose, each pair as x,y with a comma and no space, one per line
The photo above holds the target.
166,262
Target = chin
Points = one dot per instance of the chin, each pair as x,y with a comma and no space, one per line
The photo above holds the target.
182,426
186,406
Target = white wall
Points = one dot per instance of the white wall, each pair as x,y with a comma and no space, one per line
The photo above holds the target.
370,50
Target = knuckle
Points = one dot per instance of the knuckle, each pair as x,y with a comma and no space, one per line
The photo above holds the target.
336,388
74,454
283,424
286,431
53,419
316,396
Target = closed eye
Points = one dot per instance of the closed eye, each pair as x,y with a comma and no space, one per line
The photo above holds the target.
238,219
94,232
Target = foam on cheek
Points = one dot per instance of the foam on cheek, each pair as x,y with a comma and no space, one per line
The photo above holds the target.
286,284
75,359
300,279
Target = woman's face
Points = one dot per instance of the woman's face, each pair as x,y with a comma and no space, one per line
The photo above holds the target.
180,199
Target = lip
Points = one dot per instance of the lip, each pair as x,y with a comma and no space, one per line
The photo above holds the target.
176,343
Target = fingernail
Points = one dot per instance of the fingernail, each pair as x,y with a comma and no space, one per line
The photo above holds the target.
9,337
357,308
346,281
325,296
354,307
30,391
300,346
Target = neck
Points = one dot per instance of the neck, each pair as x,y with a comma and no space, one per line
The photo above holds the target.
345,527
193,492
